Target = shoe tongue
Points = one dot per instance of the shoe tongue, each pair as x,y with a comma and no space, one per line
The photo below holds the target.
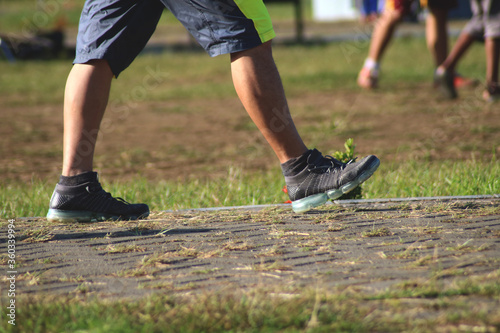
315,158
318,160
94,187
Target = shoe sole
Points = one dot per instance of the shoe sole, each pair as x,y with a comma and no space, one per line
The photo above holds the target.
305,204
71,216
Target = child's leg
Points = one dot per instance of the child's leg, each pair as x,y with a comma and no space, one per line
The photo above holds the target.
382,35
463,43
491,19
492,48
384,30
436,31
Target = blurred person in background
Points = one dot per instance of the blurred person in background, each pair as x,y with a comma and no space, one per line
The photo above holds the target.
369,9
436,37
484,24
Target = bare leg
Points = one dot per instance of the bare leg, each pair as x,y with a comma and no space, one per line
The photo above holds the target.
258,85
81,198
85,100
436,30
492,49
464,41
382,34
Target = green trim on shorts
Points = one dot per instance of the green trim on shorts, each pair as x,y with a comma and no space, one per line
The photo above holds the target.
257,12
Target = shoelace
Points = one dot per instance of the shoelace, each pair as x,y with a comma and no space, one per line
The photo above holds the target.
98,190
331,164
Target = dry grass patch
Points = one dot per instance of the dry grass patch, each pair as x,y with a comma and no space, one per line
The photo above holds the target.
381,232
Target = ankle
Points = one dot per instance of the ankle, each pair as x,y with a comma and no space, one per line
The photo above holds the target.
493,87
371,64
85,177
441,70
295,165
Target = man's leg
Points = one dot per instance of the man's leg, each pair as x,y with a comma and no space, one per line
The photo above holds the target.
85,100
311,178
78,197
258,85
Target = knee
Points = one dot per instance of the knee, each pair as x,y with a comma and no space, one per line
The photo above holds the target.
99,65
262,50
393,16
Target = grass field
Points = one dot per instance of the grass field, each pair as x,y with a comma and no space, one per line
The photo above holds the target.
428,147
238,188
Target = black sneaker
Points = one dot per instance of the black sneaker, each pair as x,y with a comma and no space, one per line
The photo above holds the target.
88,202
445,82
322,178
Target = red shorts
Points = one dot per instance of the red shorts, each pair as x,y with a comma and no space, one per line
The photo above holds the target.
402,6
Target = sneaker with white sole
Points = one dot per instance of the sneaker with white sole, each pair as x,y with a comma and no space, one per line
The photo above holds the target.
88,202
312,179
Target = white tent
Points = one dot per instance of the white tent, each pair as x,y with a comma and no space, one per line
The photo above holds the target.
334,10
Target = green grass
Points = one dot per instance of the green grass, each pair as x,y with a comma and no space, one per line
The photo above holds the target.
324,68
442,178
410,179
282,309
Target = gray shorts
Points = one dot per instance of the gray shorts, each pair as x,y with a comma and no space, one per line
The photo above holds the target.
118,30
485,21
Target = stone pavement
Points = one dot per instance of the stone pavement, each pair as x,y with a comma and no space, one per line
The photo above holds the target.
371,245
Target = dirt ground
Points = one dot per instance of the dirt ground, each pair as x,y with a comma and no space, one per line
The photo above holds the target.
397,124
407,127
